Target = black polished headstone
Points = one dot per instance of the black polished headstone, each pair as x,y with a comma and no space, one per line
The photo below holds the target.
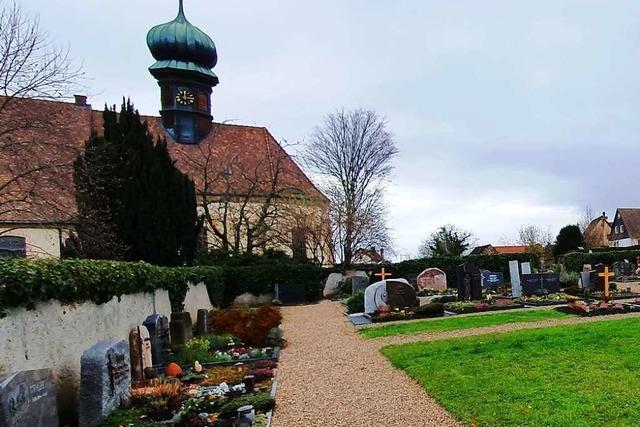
400,295
158,327
469,280
28,398
202,323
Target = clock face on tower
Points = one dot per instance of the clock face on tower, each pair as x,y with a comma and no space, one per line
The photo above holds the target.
184,97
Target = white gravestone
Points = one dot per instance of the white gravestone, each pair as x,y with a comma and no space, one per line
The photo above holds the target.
376,294
514,272
526,268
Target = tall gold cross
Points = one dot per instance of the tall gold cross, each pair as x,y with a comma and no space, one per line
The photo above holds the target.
606,274
382,274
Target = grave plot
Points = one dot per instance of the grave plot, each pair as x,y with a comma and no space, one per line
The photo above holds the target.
224,376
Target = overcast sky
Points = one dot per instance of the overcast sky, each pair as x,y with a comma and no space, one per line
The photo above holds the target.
505,112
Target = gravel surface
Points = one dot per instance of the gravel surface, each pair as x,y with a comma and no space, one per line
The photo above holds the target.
432,336
329,376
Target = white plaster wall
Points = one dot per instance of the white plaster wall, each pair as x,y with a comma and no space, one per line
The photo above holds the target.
197,298
55,336
624,243
41,242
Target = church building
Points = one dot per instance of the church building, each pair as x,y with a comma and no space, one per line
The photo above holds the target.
251,193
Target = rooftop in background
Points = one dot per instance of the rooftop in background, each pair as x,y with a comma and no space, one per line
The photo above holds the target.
52,134
499,250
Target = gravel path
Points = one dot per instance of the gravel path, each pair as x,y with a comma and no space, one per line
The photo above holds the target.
329,376
432,336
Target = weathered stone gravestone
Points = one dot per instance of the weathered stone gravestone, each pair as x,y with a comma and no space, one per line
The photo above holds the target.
105,381
491,280
376,295
28,398
202,323
401,295
181,328
158,327
432,279
140,351
623,268
359,284
332,284
469,281
514,273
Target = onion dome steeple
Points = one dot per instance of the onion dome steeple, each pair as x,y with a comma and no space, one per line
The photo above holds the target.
185,56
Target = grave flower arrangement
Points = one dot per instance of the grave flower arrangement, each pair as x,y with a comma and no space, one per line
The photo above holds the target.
207,349
598,308
210,397
549,299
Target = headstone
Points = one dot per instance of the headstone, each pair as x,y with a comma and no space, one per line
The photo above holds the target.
28,398
332,284
531,284
586,280
105,381
359,284
290,294
598,281
514,273
374,296
526,268
432,279
469,281
202,323
623,268
158,327
551,282
135,354
541,283
401,295
181,328
587,267
491,280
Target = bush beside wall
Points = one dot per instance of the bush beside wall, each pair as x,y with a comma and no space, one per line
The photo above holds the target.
574,261
23,282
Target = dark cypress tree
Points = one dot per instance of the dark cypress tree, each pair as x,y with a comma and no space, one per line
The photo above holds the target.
150,206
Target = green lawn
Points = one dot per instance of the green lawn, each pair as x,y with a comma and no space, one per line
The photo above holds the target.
579,375
461,322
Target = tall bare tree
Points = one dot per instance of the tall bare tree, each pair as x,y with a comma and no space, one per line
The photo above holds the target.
251,203
352,152
31,67
586,217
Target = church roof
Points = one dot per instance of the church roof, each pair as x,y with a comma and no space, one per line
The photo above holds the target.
47,137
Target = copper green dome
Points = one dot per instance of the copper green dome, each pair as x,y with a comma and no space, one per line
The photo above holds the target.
180,44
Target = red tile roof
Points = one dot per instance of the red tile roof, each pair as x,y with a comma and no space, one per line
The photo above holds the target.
49,135
510,249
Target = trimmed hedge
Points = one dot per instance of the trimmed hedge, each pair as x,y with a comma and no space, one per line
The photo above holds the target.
258,274
574,261
23,283
449,264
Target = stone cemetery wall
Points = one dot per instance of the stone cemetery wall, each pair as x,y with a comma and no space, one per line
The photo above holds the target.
197,298
55,336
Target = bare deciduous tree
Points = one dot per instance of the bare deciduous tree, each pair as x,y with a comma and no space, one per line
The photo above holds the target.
352,152
250,206
586,217
32,67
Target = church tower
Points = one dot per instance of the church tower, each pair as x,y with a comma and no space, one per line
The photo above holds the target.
185,58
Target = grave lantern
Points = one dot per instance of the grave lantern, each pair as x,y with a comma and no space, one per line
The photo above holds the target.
246,416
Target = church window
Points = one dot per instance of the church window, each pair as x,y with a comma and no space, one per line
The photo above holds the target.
299,243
